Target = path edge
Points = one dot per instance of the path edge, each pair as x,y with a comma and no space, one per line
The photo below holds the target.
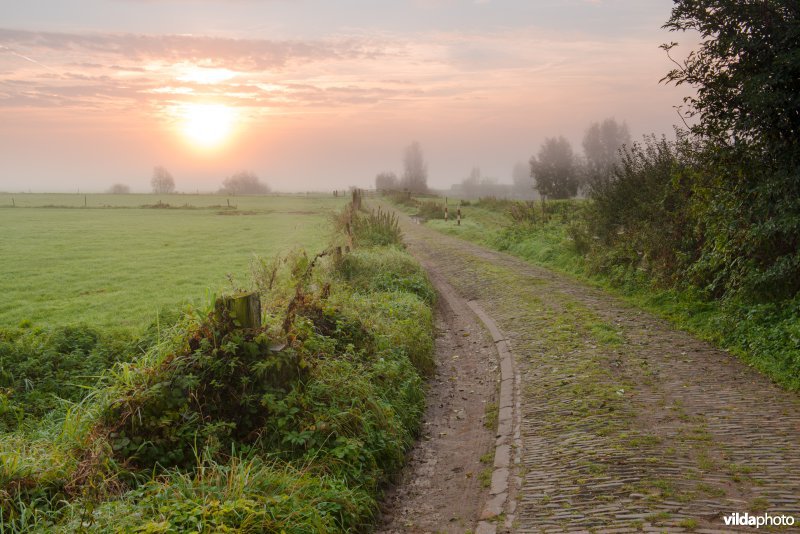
508,442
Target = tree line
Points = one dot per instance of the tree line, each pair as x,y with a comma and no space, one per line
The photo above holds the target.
162,182
718,207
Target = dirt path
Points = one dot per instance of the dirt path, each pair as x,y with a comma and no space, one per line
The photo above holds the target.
445,480
627,424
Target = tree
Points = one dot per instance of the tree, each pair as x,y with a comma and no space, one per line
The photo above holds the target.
745,73
521,178
243,183
471,184
601,147
386,181
415,175
119,189
162,181
555,170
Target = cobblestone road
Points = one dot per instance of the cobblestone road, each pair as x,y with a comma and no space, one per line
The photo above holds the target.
628,425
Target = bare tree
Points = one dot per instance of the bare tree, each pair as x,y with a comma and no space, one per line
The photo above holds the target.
386,181
601,146
415,176
162,181
244,183
119,189
555,170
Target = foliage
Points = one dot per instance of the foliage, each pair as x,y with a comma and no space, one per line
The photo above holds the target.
370,228
642,218
745,75
119,189
386,181
415,169
555,169
242,495
44,369
602,143
430,209
387,269
162,181
765,335
243,183
291,427
523,183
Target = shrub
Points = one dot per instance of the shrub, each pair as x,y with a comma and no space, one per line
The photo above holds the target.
430,209
642,217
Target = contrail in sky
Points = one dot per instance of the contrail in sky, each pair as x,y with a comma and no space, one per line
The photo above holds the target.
26,58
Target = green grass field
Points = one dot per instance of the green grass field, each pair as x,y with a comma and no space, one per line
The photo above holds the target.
118,267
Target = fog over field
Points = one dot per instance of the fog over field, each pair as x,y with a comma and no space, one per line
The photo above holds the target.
315,95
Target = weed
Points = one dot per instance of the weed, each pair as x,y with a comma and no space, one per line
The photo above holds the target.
490,415
485,477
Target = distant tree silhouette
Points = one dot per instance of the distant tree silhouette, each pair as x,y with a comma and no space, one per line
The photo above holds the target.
119,189
555,170
523,183
162,181
386,181
415,175
244,183
601,147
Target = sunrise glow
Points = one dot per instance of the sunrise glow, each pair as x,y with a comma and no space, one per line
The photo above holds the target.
207,125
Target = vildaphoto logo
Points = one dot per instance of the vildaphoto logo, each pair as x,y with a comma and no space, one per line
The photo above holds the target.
764,520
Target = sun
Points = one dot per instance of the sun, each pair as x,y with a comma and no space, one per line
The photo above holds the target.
207,125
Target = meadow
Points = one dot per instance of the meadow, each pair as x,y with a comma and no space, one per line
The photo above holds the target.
116,264
205,424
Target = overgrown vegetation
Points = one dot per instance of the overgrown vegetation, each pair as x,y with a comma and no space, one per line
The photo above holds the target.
43,369
764,334
289,427
704,228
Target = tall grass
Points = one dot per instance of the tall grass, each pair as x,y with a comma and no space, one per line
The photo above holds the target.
215,428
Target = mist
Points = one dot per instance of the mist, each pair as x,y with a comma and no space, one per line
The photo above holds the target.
87,103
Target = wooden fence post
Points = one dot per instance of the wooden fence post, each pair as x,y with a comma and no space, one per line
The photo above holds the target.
459,216
243,308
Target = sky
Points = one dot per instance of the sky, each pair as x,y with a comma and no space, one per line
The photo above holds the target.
315,94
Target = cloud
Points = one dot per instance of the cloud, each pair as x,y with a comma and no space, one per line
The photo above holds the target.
398,73
240,54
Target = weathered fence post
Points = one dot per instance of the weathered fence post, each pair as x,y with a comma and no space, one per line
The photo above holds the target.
243,308
459,216
445,213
